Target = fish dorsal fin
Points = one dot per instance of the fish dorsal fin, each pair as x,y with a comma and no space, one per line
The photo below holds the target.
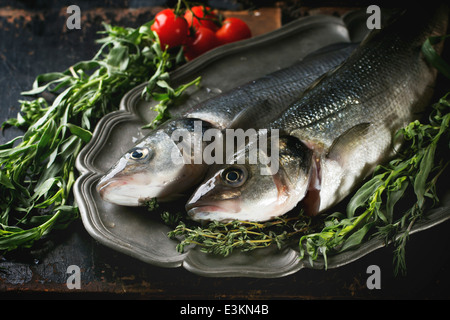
343,144
316,82
388,17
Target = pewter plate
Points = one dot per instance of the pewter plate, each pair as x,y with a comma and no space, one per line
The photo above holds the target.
134,231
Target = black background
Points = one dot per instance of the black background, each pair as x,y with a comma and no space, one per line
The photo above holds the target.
36,41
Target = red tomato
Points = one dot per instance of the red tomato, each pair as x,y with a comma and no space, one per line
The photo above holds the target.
200,16
204,40
172,30
233,29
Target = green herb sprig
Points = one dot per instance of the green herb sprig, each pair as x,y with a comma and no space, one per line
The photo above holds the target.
223,238
37,169
375,210
414,173
387,205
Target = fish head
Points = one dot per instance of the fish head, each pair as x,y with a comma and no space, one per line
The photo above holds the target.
155,167
257,191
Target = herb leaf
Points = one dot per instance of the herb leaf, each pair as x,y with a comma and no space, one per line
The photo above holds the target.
373,211
38,168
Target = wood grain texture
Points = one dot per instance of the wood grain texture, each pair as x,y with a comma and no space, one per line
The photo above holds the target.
34,40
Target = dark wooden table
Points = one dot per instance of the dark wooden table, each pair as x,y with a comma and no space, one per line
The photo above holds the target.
34,40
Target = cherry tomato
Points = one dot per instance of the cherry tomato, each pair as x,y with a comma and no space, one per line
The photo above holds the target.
204,40
233,29
200,16
172,30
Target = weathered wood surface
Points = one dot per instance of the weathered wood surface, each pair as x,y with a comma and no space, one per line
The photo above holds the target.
34,40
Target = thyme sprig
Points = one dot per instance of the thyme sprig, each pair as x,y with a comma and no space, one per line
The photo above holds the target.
382,207
223,238
388,205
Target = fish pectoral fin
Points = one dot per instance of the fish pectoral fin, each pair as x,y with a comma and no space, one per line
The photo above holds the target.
343,144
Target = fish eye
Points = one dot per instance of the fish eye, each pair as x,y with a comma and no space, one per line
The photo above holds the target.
139,153
234,176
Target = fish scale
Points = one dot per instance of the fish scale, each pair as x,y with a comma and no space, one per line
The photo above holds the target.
157,173
337,132
385,83
263,99
347,89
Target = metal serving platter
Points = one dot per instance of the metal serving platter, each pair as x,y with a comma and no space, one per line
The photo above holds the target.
134,231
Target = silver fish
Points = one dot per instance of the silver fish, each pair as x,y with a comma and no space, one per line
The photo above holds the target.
156,167
336,133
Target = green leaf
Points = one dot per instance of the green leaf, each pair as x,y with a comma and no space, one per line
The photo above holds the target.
394,194
43,188
356,238
55,105
18,239
10,144
68,146
83,134
433,57
5,181
422,175
47,136
14,152
83,66
48,79
362,196
118,57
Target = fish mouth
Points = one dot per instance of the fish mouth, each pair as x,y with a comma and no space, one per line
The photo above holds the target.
163,187
104,185
122,192
212,211
109,190
205,208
